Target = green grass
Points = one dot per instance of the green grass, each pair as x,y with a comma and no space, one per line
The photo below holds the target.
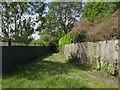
50,72
0,83
88,67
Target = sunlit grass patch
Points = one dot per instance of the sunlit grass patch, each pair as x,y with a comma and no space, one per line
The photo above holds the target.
0,83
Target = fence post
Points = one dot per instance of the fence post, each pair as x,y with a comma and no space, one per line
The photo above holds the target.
9,42
35,43
9,55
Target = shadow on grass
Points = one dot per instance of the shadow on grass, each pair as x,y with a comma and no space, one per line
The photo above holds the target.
82,66
75,61
39,68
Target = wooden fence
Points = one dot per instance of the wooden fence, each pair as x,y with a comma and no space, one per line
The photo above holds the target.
15,55
88,50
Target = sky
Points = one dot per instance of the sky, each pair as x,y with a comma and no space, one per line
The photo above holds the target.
48,1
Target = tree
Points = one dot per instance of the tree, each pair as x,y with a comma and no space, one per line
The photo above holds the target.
26,32
95,10
11,13
46,40
60,17
12,19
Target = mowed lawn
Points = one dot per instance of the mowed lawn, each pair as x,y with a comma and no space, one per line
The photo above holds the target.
50,72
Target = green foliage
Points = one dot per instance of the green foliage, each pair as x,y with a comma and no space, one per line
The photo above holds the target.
94,64
106,68
73,57
118,44
25,39
61,49
82,36
25,33
95,10
11,12
46,40
112,68
67,39
50,72
14,23
61,17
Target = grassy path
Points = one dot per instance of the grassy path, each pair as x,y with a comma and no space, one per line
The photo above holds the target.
50,72
61,58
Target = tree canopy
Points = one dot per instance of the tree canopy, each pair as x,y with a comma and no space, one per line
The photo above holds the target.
95,10
60,17
14,22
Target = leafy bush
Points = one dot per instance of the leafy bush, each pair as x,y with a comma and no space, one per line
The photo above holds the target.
73,57
82,36
46,40
104,28
118,44
96,63
61,49
106,68
112,68
25,38
67,39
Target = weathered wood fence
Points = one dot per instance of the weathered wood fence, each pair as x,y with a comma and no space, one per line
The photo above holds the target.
15,55
89,50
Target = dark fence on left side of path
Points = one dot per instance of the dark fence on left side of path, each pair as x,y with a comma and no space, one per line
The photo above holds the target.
16,55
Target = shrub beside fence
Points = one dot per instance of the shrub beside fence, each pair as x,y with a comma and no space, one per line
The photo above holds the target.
15,55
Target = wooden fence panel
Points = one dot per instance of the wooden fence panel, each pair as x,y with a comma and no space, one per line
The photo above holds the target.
15,55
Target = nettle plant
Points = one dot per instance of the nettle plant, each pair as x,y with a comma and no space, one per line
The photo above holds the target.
106,67
118,44
96,63
110,68
113,68
74,57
